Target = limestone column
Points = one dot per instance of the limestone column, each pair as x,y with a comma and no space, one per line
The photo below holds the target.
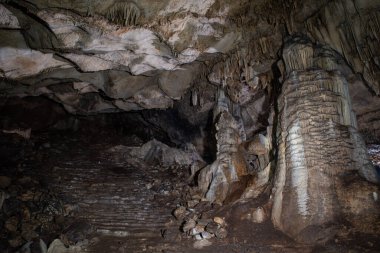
318,147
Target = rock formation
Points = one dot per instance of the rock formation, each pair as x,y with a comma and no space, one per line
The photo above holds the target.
318,147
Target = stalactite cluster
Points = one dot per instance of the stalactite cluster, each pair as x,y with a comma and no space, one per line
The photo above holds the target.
123,13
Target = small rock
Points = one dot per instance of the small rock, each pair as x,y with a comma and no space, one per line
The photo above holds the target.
221,233
188,225
198,237
220,221
258,215
192,203
171,234
197,230
212,227
203,222
206,235
201,244
11,224
180,212
5,182
57,246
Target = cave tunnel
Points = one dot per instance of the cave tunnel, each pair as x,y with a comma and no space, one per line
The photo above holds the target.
189,126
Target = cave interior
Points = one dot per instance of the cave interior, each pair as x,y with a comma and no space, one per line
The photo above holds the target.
189,126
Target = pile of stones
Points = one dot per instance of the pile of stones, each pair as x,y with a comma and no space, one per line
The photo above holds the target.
197,222
30,214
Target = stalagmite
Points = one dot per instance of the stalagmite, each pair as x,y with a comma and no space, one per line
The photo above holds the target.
217,180
318,147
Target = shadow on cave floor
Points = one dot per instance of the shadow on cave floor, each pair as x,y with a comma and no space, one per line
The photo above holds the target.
101,200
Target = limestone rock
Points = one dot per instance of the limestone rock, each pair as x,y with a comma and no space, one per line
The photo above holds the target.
212,227
258,215
221,233
206,235
188,225
17,63
220,179
7,19
176,82
308,131
220,221
180,212
57,246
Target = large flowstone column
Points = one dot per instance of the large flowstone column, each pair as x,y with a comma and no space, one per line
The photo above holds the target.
319,147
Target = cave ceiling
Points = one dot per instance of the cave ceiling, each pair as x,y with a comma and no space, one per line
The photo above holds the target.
96,56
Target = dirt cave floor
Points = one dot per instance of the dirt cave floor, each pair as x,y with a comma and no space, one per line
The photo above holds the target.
78,187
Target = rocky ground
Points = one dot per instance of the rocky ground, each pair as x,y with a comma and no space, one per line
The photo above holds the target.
85,192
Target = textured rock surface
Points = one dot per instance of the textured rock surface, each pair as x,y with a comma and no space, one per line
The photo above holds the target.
318,147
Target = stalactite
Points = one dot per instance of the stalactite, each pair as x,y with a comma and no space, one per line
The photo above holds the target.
123,13
194,98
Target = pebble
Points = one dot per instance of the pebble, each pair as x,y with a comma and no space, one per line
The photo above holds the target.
198,237
220,221
206,235
221,233
180,212
258,215
212,227
197,230
188,225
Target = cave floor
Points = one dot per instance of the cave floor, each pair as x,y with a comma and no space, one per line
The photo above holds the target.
127,203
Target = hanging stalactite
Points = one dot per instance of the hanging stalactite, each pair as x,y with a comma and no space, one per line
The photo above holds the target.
123,13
